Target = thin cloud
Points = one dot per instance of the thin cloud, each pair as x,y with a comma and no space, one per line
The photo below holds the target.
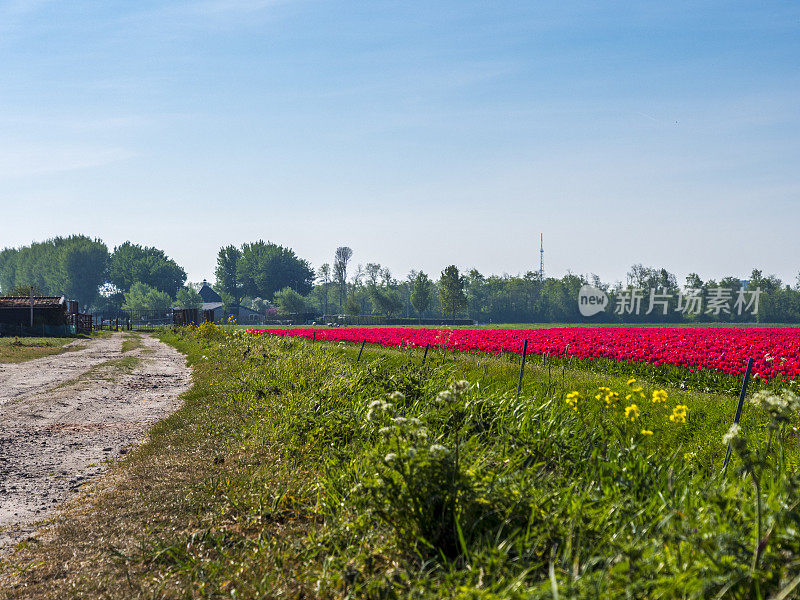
21,161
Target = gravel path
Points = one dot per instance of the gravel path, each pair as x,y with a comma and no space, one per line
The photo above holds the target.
62,416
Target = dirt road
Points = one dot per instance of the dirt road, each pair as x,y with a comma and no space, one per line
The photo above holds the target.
62,416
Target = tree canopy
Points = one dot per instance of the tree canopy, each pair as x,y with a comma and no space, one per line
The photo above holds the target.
74,266
451,291
187,297
263,268
142,297
421,290
227,273
290,302
131,263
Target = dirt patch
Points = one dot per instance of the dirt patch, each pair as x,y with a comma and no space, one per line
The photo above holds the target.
62,417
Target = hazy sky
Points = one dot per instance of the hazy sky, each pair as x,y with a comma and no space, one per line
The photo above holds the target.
418,133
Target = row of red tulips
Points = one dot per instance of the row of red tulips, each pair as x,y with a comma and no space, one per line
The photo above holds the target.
775,351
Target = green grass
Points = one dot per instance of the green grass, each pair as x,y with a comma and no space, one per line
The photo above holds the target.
292,471
16,350
132,341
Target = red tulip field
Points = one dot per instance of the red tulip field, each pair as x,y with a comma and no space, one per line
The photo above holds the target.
775,351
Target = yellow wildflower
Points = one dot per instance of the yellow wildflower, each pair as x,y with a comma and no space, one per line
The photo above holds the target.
659,396
631,381
572,400
679,414
632,412
646,432
607,396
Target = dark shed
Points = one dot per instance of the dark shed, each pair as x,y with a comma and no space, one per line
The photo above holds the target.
47,310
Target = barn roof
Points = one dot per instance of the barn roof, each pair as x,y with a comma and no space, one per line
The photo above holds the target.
25,301
208,294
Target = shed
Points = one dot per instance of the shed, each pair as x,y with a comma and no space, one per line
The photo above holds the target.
49,313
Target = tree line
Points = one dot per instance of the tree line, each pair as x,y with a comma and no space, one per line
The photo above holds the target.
131,277
271,278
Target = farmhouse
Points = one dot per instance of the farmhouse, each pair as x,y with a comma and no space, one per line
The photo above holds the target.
212,301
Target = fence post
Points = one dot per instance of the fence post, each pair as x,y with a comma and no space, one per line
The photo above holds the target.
361,350
424,356
522,366
739,407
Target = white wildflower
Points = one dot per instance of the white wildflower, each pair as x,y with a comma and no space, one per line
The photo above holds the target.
397,397
444,397
438,451
460,386
391,457
733,433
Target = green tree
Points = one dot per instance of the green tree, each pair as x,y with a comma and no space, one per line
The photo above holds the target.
264,268
353,305
290,302
142,297
187,297
421,292
84,263
23,291
385,300
8,269
75,267
324,276
227,272
451,292
693,281
341,258
132,263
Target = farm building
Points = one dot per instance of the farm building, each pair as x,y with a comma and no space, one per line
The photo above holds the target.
49,315
212,301
247,315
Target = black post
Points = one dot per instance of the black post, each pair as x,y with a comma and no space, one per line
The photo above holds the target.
361,350
738,410
315,335
522,366
424,356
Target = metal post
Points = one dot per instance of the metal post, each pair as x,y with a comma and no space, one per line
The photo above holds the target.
30,289
738,410
522,366
361,350
424,356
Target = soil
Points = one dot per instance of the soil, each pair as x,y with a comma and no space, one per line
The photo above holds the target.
63,417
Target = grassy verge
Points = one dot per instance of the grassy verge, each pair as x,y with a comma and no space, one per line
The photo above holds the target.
16,350
292,471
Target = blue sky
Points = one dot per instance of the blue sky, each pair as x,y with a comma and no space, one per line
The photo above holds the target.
418,133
